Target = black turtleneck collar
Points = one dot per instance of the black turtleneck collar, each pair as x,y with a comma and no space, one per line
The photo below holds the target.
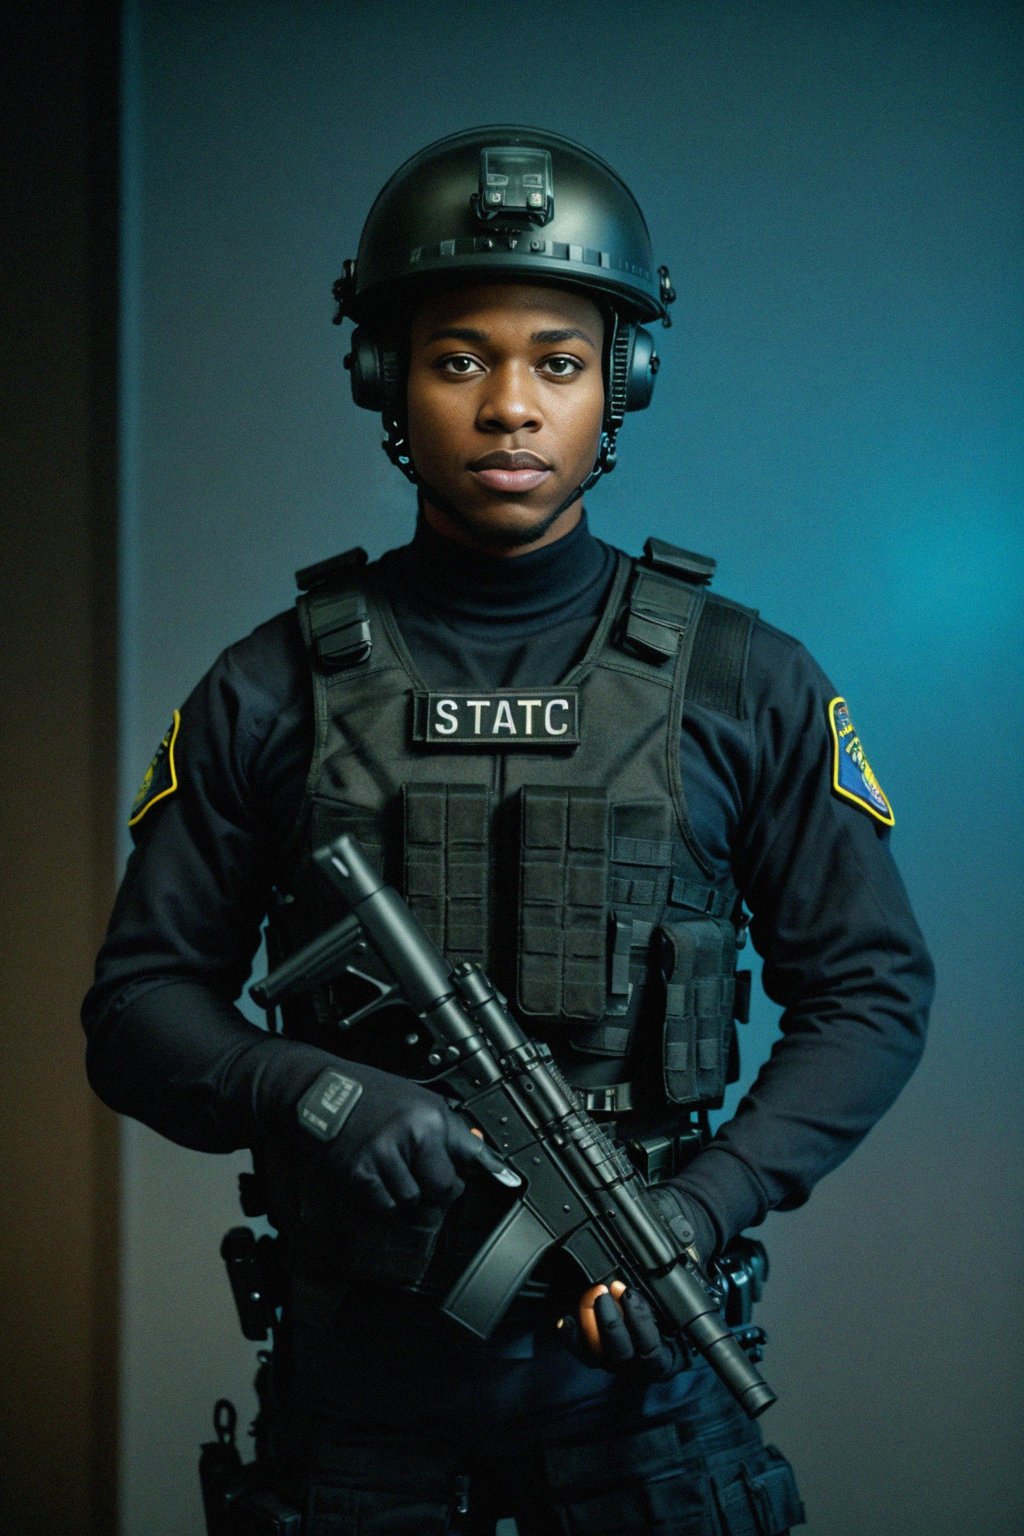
565,578
483,621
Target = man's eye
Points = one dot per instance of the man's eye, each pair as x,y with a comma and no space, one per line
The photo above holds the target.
562,367
459,363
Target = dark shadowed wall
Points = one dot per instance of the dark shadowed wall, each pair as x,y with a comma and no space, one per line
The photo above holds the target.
58,762
836,188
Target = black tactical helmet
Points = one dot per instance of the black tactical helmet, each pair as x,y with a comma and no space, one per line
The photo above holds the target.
503,204
509,203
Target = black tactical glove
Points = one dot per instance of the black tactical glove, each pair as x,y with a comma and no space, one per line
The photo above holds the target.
385,1141
624,1337
686,1219
621,1333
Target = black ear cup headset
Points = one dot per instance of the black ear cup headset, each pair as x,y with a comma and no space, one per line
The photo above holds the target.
503,204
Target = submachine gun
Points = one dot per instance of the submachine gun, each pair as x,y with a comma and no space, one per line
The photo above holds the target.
576,1188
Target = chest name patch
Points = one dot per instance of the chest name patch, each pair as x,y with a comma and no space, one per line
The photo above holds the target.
160,778
852,778
504,717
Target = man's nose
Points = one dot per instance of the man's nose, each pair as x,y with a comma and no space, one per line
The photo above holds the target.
510,402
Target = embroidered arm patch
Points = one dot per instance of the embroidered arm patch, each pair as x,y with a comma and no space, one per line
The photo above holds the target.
852,778
161,777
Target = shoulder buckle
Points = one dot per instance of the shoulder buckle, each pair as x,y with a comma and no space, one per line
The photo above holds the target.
661,611
323,570
698,569
337,612
341,630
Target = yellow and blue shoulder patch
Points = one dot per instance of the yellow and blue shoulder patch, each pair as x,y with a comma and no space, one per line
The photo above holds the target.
852,778
161,777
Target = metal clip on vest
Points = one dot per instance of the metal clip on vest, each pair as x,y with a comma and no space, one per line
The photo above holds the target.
341,620
666,600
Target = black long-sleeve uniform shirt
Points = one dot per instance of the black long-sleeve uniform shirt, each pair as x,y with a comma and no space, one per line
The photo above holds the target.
842,952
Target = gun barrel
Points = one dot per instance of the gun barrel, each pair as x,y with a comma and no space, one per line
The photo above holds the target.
687,1302
706,1331
740,1375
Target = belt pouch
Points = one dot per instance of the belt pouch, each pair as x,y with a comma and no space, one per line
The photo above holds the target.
698,960
563,923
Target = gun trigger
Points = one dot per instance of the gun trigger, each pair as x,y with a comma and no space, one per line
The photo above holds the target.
495,1165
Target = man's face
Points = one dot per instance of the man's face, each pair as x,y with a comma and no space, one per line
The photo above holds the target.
506,400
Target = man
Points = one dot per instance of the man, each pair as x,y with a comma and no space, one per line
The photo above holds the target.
581,770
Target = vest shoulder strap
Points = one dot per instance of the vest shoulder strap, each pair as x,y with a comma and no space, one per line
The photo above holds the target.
671,611
721,647
665,601
333,611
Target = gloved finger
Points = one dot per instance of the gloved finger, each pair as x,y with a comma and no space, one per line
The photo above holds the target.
571,1335
642,1325
381,1163
616,1341
491,1163
589,1330
468,1146
364,1189
437,1176
660,1357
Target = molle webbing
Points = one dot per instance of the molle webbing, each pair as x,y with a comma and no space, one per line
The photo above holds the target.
708,900
589,854
718,666
658,854
447,864
650,853
563,883
698,966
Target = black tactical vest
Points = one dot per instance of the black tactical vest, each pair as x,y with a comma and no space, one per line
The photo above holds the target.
541,832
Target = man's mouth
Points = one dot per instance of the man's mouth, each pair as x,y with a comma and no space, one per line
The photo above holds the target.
511,469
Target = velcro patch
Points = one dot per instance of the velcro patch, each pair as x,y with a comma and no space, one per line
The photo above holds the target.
161,777
852,778
505,717
324,1107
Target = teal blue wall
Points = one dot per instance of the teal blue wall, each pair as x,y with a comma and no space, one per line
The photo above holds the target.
838,419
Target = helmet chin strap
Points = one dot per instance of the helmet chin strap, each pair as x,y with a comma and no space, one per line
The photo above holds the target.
396,445
614,365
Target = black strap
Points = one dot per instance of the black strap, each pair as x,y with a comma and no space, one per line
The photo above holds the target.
323,570
337,619
718,666
665,600
704,899
620,987
669,597
661,610
698,569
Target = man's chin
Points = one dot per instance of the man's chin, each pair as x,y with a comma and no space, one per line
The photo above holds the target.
502,527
